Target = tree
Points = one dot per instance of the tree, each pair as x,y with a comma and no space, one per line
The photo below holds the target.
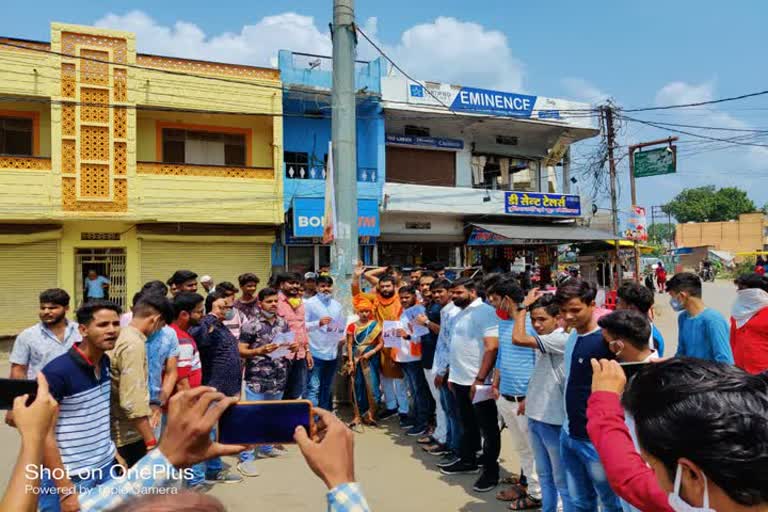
709,204
661,234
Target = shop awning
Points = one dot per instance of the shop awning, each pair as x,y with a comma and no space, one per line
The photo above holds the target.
528,234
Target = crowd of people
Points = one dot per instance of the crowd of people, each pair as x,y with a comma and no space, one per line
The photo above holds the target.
454,362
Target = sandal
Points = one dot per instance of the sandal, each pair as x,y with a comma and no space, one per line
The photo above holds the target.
512,493
369,421
525,502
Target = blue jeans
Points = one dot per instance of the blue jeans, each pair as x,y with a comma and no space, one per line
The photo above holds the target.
253,396
360,393
414,377
320,391
296,385
585,476
213,466
545,444
49,502
453,437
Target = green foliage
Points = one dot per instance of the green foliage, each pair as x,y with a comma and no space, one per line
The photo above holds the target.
659,234
709,204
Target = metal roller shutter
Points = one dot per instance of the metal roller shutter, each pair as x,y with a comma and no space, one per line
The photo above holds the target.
222,261
25,271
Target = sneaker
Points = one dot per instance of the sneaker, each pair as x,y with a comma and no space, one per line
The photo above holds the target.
386,414
223,477
416,431
201,486
486,483
449,459
406,422
436,449
460,468
248,468
427,440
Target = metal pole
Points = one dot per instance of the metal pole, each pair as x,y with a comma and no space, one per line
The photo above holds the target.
633,190
345,252
611,137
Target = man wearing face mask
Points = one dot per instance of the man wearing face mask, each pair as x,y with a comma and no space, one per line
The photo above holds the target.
704,456
702,331
130,407
326,325
749,323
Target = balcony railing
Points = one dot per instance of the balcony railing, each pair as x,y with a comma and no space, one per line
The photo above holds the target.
33,163
318,172
214,171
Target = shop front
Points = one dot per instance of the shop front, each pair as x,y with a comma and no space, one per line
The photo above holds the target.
303,250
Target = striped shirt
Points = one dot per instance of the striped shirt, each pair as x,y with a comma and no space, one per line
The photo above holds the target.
83,392
515,364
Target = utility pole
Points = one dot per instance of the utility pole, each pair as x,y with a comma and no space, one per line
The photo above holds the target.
345,252
611,138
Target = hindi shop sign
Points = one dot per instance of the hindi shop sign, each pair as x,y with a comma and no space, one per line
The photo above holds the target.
540,204
308,214
655,162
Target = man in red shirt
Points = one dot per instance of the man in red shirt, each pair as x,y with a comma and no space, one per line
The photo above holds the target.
749,323
291,308
189,309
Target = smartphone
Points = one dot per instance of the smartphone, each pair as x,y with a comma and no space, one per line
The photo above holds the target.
631,369
265,422
12,388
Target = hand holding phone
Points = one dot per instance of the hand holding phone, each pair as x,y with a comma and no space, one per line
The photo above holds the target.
10,389
330,453
607,376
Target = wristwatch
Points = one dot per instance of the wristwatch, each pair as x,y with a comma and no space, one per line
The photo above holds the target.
521,307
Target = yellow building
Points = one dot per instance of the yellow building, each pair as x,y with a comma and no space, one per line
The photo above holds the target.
748,233
133,165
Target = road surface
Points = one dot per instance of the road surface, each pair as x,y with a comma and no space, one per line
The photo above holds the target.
396,475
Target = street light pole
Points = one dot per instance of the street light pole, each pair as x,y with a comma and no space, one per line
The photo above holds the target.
345,252
611,139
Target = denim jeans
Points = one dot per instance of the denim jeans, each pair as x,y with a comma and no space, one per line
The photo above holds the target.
414,377
454,431
213,466
360,392
320,387
252,396
586,477
49,501
545,443
296,385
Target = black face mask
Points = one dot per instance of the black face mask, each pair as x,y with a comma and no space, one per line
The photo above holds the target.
462,303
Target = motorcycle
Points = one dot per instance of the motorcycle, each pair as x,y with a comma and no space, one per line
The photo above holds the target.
707,274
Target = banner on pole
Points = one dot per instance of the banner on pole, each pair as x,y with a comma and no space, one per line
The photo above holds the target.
329,226
637,227
655,162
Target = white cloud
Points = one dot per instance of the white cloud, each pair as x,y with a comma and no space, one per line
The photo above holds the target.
445,49
583,90
255,44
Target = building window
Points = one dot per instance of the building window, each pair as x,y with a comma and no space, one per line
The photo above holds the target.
203,148
16,136
495,172
303,166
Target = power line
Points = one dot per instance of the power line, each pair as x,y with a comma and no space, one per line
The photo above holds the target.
716,139
716,128
699,103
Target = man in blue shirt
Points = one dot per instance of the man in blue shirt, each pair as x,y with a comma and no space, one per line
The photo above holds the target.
702,332
326,324
96,286
584,472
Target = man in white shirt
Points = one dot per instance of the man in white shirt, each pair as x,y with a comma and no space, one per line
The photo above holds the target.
474,343
326,325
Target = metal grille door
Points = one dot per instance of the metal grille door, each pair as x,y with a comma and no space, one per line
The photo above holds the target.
109,263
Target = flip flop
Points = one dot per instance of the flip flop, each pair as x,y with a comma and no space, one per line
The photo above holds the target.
525,502
512,493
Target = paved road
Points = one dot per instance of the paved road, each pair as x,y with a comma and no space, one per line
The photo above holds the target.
396,475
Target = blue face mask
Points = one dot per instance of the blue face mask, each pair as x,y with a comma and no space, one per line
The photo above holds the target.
676,305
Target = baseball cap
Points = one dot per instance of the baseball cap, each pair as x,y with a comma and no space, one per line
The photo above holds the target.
310,276
206,279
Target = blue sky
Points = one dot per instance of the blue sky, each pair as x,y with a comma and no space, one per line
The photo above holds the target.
663,52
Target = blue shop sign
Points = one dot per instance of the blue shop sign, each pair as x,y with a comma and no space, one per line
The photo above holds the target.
545,205
432,142
308,213
494,102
